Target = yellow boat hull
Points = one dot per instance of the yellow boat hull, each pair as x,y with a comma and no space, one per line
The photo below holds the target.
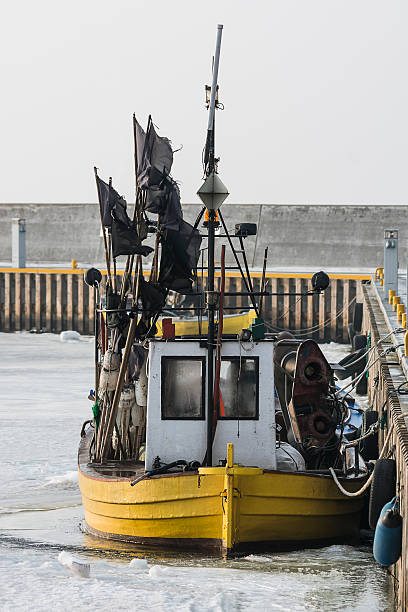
232,324
226,509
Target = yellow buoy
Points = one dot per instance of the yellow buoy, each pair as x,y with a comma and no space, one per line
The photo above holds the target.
400,312
395,301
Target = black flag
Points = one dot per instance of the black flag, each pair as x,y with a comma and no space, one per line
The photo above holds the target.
108,198
154,152
125,239
179,258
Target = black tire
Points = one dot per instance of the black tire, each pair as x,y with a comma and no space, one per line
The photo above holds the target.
351,332
369,446
382,488
349,370
361,386
357,316
359,342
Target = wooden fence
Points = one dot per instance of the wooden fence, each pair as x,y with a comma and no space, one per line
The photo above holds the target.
57,300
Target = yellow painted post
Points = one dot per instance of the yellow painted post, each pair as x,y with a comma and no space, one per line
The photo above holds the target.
74,264
227,500
404,320
395,301
230,455
400,312
378,272
391,294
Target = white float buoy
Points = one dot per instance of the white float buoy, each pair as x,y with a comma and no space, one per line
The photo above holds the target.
77,566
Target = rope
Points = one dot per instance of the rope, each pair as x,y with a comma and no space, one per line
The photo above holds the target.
370,431
370,364
314,327
368,483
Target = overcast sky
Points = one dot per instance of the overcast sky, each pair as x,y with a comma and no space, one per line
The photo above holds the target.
315,95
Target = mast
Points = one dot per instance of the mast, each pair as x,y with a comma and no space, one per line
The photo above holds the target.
212,194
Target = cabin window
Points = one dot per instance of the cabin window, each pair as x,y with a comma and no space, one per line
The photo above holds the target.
182,387
239,388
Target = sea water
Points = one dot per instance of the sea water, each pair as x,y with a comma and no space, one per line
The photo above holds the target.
44,386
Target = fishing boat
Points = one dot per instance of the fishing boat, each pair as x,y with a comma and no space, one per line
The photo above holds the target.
214,439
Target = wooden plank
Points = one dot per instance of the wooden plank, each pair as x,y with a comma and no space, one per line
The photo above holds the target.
70,319
298,304
48,302
91,306
80,305
7,300
267,303
27,302
322,310
333,310
285,316
58,305
37,305
17,301
1,299
274,302
310,312
346,300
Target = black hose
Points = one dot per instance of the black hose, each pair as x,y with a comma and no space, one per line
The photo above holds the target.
160,470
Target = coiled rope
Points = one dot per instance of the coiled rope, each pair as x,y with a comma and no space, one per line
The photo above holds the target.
369,481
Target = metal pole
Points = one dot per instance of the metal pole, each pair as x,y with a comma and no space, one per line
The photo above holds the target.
211,297
215,78
211,306
263,281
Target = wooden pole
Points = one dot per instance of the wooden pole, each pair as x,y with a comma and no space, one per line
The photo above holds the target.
103,228
119,385
263,281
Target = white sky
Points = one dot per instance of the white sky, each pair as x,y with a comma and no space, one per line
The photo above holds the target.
315,95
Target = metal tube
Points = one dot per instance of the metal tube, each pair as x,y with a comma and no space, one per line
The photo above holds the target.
215,79
210,335
250,293
263,281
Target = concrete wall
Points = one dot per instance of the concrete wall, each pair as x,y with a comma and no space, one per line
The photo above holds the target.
298,236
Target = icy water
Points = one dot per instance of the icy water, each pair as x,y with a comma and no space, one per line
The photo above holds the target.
44,384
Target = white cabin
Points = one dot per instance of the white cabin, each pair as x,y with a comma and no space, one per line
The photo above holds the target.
177,403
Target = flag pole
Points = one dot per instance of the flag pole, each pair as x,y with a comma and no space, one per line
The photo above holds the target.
111,258
103,227
211,298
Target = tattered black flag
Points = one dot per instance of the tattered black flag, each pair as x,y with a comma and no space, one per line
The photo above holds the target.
164,200
179,258
153,152
125,239
108,198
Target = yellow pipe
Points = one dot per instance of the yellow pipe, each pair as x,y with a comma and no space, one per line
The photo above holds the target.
395,301
74,264
400,312
391,294
404,320
377,274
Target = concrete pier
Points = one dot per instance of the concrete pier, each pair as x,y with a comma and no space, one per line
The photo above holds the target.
387,393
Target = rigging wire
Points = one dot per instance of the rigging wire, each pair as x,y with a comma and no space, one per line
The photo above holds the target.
314,328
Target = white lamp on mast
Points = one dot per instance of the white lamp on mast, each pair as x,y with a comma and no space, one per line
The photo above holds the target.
213,192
